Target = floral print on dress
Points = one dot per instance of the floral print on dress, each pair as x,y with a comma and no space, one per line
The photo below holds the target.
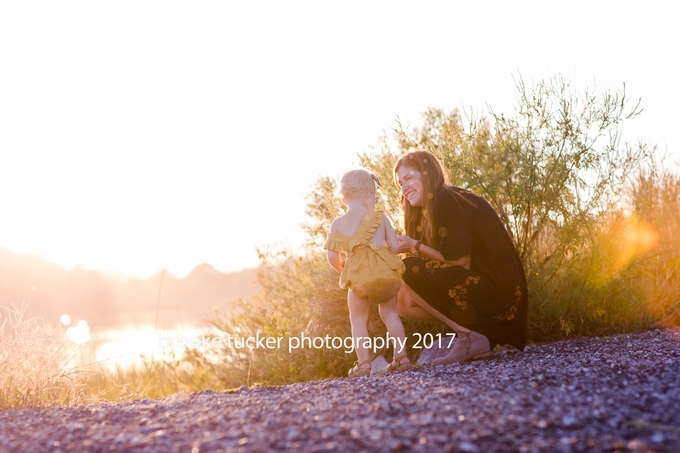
470,278
459,291
436,264
509,314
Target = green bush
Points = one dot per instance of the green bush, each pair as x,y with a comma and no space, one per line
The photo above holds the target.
595,222
560,178
598,256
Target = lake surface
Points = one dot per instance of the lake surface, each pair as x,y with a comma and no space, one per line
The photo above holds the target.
126,347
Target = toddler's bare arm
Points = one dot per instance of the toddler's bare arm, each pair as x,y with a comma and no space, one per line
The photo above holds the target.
334,260
332,256
390,236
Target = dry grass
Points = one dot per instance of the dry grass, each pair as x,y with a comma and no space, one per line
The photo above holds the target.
602,257
41,367
36,365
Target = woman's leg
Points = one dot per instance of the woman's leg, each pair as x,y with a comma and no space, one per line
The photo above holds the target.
358,316
412,306
473,345
408,308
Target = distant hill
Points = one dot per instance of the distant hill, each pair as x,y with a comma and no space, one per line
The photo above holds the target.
109,299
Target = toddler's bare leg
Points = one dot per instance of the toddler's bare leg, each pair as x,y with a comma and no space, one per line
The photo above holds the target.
390,316
358,316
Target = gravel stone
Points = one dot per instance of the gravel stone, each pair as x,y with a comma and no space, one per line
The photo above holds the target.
619,393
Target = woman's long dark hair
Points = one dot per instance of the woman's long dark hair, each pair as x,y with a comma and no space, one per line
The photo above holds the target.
418,220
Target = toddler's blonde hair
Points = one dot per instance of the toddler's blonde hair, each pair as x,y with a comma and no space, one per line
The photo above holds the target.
356,182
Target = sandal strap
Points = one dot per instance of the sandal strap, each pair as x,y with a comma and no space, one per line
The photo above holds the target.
398,359
359,370
466,336
397,364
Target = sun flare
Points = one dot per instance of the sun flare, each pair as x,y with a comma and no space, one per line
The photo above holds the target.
637,238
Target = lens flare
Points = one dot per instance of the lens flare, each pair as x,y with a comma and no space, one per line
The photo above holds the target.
79,333
637,238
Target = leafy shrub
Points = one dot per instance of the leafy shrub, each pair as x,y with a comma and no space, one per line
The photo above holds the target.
560,179
595,222
599,258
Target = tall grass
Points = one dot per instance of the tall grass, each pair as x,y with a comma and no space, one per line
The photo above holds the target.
595,220
36,364
627,279
41,367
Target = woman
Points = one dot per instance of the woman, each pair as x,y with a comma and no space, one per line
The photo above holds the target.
464,269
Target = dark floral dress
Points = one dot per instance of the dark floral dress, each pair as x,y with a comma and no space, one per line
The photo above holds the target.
490,298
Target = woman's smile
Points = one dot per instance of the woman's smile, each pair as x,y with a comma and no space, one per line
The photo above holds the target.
411,184
411,196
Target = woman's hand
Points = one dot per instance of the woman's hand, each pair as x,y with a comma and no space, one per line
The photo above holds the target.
405,244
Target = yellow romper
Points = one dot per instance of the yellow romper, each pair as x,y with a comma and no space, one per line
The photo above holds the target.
371,271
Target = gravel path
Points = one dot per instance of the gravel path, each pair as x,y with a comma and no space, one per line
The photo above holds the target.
593,394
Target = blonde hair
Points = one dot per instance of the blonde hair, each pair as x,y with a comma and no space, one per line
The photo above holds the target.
356,182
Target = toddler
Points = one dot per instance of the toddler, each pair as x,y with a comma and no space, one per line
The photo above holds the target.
371,272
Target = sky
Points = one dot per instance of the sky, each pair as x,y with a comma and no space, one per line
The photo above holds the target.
141,135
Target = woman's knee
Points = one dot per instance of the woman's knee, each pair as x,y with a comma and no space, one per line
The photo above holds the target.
404,303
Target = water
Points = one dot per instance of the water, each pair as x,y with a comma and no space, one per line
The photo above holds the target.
130,346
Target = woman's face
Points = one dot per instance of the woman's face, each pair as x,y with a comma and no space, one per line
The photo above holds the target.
411,182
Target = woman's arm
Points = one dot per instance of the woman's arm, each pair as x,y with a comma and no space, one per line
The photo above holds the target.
407,245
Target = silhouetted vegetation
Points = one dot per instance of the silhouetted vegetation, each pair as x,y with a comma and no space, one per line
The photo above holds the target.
594,219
